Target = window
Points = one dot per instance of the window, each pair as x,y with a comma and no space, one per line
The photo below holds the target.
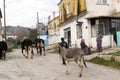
79,30
115,23
54,26
60,14
102,26
101,1
68,8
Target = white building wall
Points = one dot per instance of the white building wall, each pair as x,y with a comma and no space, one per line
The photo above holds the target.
106,41
85,31
72,26
54,38
118,7
95,9
14,37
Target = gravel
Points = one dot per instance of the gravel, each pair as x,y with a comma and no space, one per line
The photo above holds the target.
50,67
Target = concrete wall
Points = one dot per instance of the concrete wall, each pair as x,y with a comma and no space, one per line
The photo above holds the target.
54,38
118,7
95,9
72,26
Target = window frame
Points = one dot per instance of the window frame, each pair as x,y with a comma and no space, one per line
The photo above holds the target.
102,2
102,26
79,30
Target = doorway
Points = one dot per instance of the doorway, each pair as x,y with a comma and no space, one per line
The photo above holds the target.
67,35
115,30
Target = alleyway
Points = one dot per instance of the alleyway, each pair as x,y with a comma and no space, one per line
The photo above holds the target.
49,67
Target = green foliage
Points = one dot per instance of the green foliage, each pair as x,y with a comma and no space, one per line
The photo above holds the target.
14,43
9,50
101,61
33,34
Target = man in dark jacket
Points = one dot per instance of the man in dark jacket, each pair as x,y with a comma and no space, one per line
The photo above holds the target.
63,44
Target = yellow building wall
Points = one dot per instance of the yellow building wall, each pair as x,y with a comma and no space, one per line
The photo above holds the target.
51,28
73,8
83,5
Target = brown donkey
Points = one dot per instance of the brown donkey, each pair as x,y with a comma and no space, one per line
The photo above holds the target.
73,54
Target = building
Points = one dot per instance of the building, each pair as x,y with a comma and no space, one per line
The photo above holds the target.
13,36
83,19
54,29
70,28
42,32
103,16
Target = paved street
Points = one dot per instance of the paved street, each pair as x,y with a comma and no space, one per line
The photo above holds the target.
49,67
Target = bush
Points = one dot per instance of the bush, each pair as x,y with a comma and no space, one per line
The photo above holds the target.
9,50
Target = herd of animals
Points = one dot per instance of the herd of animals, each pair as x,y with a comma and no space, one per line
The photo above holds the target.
26,47
70,54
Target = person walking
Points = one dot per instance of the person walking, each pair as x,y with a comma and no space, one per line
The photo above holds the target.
82,44
63,43
99,41
84,47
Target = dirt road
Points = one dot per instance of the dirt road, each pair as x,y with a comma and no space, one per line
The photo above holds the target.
49,67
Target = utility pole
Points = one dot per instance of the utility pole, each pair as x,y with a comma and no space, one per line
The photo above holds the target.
38,28
4,18
37,18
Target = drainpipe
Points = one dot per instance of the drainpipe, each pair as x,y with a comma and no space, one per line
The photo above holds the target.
77,11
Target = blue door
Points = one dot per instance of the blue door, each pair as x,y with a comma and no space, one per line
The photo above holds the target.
118,38
46,42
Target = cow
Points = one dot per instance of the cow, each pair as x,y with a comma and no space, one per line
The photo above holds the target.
26,45
40,44
3,50
73,54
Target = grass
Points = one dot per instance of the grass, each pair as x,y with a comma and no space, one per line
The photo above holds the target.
101,61
9,50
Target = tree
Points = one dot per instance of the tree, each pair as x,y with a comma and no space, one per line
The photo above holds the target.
33,34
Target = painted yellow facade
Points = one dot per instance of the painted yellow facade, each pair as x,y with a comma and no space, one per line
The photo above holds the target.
68,9
53,25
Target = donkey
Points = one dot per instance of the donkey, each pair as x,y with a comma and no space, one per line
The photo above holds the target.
40,44
73,54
